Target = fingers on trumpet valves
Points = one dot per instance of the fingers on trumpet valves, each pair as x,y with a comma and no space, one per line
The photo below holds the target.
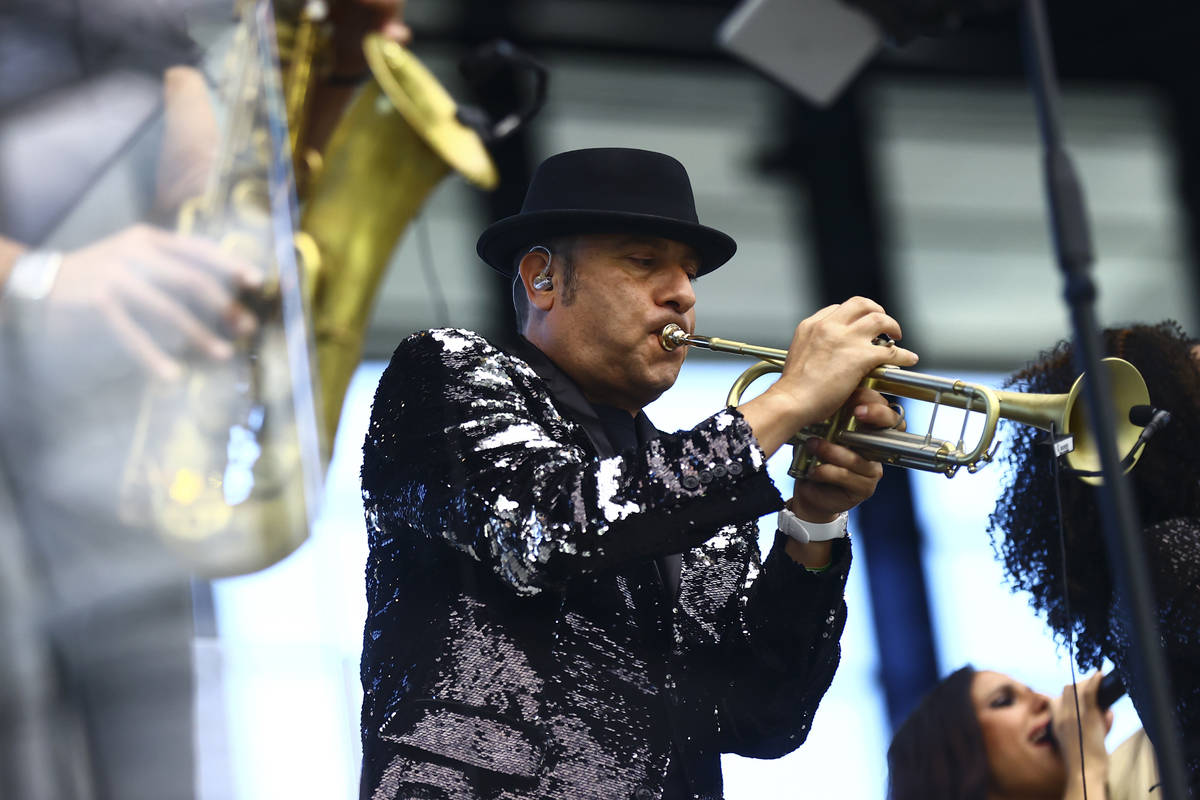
886,329
890,351
894,354
836,459
872,409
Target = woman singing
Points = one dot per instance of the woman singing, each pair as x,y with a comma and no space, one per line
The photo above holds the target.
1025,524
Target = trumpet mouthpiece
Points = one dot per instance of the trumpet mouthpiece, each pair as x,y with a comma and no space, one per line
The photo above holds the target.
672,336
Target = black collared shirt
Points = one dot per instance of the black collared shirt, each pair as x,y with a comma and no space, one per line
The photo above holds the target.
612,431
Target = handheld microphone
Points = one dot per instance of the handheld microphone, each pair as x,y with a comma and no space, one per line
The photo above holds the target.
1111,689
1141,415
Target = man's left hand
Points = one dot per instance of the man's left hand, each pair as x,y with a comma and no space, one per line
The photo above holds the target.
842,479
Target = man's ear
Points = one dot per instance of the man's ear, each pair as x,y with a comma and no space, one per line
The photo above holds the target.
530,268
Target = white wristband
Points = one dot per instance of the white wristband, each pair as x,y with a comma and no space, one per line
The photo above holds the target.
792,526
33,275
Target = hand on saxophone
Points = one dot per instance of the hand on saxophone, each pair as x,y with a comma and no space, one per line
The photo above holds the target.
830,354
151,295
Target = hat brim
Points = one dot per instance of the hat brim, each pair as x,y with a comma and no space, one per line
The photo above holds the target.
499,244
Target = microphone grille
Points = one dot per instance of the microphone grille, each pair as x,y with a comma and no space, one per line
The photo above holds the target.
1141,415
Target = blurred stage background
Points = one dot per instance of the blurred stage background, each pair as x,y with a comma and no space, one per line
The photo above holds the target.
920,187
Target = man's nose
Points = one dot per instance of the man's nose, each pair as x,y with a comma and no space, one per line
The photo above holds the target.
678,291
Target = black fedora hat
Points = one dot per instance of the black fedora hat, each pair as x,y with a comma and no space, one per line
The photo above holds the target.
605,190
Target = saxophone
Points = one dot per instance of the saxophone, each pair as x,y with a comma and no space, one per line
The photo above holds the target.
226,463
394,144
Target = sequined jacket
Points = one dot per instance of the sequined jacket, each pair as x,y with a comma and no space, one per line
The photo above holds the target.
519,642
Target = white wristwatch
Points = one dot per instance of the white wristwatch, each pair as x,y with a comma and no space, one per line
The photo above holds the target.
800,530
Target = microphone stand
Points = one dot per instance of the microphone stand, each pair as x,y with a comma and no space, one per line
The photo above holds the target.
1073,248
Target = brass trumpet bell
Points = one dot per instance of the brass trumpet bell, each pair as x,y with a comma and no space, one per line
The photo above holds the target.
1062,413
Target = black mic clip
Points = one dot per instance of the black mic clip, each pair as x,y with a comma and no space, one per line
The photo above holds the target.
1059,444
1158,420
1152,421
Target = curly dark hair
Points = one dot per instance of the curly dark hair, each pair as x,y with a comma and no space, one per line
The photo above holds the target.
938,751
1024,525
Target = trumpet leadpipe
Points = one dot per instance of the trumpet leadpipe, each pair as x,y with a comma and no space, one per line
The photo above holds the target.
673,336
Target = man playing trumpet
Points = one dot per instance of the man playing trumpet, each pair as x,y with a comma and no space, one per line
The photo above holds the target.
564,602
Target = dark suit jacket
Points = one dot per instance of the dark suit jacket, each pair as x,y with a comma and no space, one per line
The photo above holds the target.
518,641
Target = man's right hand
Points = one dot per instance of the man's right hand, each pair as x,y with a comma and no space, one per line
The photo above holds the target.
158,296
830,355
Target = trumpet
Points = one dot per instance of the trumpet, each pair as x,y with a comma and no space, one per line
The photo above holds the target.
1063,414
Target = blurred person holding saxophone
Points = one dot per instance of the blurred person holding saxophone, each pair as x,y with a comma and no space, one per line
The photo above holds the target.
104,292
